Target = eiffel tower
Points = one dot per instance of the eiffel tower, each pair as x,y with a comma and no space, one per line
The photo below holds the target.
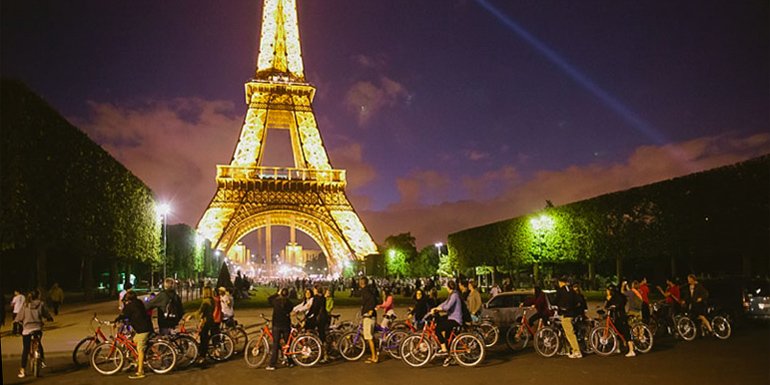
311,195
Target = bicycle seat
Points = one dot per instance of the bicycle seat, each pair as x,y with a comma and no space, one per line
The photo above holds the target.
334,316
391,316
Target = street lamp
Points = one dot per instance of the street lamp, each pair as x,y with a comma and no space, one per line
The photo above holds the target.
163,210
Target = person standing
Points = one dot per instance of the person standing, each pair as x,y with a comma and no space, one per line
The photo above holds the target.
644,290
56,296
228,309
17,304
420,308
169,306
321,316
126,287
566,301
282,308
387,308
634,300
329,301
369,315
616,305
207,325
30,319
474,300
495,290
672,298
136,314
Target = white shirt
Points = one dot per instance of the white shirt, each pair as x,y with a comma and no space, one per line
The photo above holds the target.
18,303
304,307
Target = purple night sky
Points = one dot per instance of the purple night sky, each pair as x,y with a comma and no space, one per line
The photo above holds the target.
447,114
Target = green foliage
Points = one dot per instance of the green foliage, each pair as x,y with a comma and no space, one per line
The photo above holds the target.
695,221
63,191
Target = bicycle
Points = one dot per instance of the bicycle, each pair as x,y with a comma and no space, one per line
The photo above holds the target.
677,325
488,331
604,339
35,360
417,350
221,346
109,357
352,345
302,347
186,346
81,355
520,332
238,334
721,327
550,339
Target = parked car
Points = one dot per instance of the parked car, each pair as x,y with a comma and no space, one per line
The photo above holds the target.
756,300
505,308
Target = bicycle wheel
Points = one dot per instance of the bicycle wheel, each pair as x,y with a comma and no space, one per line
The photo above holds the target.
642,337
517,337
256,352
240,338
468,349
604,341
107,359
333,344
220,347
547,341
352,346
306,350
82,353
721,327
160,356
187,350
686,328
489,333
393,342
35,362
416,350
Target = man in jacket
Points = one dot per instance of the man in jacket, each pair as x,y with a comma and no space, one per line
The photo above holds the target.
565,299
136,314
474,300
169,308
694,297
282,308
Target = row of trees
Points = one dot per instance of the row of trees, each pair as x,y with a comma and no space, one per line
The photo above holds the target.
67,208
715,222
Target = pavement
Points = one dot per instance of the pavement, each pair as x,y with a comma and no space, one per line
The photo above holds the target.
743,359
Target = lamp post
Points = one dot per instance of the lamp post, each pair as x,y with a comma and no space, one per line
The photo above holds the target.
163,210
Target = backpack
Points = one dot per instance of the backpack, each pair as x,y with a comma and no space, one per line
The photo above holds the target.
217,314
466,313
174,310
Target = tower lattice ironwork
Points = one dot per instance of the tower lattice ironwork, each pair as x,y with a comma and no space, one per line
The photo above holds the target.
311,195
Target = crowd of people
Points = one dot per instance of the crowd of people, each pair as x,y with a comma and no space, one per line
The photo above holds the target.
316,303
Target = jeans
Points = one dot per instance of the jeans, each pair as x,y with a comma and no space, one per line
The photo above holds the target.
278,334
26,341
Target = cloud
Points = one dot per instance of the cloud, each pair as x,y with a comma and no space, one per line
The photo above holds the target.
366,99
422,187
647,164
349,157
476,155
173,146
377,62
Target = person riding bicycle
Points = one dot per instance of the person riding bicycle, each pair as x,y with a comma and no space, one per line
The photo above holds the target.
540,303
281,323
616,305
694,299
136,314
566,300
672,298
420,308
444,325
30,317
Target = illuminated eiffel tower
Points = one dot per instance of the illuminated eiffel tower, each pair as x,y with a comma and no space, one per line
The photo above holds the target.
311,195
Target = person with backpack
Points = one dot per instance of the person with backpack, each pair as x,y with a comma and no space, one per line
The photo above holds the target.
169,305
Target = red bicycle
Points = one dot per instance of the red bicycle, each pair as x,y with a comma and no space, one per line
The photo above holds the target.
81,355
109,357
302,347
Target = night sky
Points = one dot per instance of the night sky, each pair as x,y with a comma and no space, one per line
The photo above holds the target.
447,114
